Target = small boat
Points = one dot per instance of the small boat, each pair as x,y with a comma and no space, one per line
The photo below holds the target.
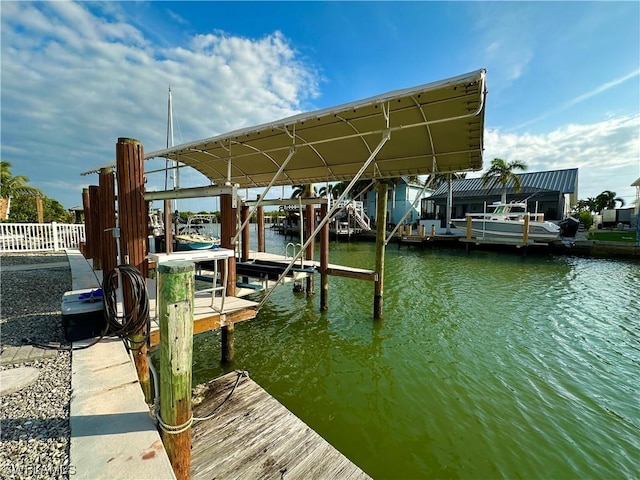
198,234
506,221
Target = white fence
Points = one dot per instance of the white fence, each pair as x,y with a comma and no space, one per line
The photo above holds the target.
40,237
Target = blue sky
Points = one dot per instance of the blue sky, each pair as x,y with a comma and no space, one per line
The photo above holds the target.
563,77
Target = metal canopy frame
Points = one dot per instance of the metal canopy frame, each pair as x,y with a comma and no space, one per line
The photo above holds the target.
436,127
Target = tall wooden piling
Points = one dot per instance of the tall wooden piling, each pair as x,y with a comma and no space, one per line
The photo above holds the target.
227,232
109,250
86,208
175,314
324,260
244,215
168,227
39,209
260,214
134,228
96,234
310,221
381,233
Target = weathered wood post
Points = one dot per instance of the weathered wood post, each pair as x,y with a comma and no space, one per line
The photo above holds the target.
525,230
134,228
310,222
227,232
260,214
244,215
86,208
324,260
109,250
381,233
96,237
168,227
39,209
175,314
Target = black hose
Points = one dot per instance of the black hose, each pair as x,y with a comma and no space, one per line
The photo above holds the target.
138,319
122,326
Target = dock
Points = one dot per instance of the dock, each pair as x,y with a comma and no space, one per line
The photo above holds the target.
332,269
252,435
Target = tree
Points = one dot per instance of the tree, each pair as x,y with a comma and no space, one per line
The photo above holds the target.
304,191
607,199
23,210
14,185
500,173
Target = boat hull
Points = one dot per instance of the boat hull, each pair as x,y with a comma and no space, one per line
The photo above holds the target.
513,230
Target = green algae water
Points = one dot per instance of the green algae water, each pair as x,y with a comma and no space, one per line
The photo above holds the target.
486,364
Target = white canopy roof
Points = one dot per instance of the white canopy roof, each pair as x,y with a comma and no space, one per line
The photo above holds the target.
435,127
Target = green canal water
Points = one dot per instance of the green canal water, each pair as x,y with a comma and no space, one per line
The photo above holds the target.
486,364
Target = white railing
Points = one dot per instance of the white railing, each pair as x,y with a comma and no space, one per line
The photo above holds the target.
40,237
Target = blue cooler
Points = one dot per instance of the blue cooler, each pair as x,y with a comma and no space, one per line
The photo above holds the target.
82,314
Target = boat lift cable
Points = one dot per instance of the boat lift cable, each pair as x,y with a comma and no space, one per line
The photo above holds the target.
385,137
115,325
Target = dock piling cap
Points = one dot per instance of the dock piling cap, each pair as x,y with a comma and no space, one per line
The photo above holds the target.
176,266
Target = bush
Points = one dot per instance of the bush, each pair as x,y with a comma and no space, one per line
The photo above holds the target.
586,219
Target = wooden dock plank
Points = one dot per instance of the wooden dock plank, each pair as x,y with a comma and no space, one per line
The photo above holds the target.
254,436
206,317
332,269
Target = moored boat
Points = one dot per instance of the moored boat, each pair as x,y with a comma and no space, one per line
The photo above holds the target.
506,221
198,234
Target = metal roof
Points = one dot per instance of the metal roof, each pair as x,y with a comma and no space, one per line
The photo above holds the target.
562,181
432,127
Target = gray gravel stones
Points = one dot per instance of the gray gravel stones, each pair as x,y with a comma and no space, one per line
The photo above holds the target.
34,421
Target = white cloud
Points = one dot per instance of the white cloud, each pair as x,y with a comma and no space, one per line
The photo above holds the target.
73,82
606,153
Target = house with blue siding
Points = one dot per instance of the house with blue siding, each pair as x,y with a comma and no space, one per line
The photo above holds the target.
401,196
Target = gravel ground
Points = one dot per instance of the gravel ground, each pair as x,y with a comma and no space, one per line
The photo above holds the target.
34,422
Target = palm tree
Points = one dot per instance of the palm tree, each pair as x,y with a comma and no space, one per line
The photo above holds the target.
607,199
11,186
500,173
303,191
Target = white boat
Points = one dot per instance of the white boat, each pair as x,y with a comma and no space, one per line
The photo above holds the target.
198,234
506,221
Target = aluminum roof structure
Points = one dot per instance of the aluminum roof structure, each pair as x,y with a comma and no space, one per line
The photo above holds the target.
563,181
415,131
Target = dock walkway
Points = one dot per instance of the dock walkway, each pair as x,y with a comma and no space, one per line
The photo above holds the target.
252,435
112,434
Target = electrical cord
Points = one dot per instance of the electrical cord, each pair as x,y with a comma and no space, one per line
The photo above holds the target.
122,326
138,319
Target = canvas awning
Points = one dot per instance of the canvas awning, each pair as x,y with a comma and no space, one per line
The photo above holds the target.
433,127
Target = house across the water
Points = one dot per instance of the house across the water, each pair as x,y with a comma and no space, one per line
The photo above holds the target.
550,192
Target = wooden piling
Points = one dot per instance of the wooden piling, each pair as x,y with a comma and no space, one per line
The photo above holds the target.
381,233
469,227
134,228
227,334
96,234
260,214
310,221
109,249
227,232
168,227
86,208
525,230
244,215
324,260
39,209
175,314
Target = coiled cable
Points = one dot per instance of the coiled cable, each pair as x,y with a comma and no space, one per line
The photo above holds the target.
136,321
